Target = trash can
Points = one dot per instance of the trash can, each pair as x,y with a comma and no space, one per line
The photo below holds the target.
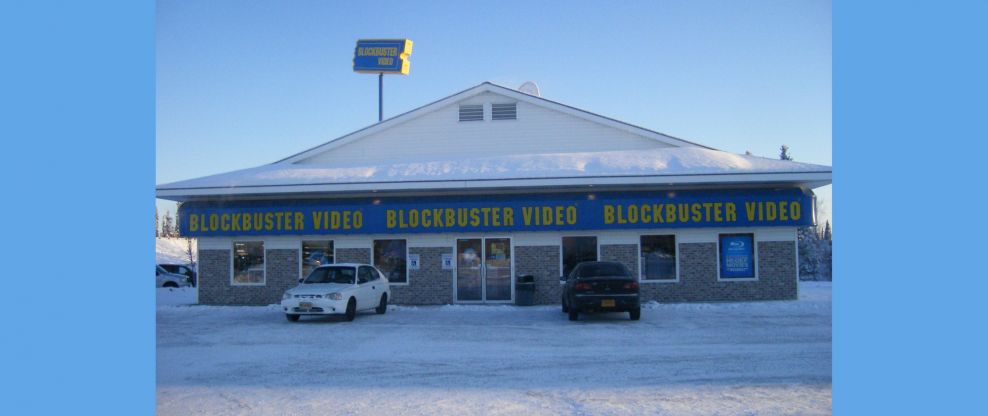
525,290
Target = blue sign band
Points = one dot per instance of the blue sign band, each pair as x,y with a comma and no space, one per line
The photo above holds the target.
501,213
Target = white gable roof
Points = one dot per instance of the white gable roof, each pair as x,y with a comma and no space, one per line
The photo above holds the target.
542,126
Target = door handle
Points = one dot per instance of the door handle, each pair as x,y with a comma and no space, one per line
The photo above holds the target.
373,287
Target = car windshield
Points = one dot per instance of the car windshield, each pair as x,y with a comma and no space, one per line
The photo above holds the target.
602,269
331,275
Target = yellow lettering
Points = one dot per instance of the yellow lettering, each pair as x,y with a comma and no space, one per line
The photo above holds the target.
695,209
334,220
749,208
235,222
437,217
299,221
608,214
770,211
559,215
225,222
546,215
620,215
761,217
193,222
487,212
732,214
684,212
646,213
509,219
782,211
280,215
413,218
214,222
717,217
316,219
288,220
358,219
401,219
268,221
706,206
474,217
495,216
658,217
571,215
346,220
526,214
633,214
461,217
795,210
426,218
258,221
670,213
392,218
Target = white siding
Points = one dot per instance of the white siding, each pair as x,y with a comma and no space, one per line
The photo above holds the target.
537,130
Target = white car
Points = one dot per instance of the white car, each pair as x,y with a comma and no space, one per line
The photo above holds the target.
165,279
335,289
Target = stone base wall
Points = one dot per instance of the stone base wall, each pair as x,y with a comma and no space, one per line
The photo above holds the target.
353,255
280,274
776,270
543,263
430,284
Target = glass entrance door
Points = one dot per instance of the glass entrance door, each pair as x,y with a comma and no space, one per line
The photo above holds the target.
483,270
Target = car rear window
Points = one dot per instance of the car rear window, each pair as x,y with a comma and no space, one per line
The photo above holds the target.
602,269
331,275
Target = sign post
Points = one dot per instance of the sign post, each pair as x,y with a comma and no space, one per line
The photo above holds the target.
382,56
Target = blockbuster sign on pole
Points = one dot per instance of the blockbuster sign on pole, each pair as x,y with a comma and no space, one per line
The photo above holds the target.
382,56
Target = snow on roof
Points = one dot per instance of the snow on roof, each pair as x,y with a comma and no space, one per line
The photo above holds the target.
655,162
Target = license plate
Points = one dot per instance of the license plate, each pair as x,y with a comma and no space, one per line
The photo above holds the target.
305,304
607,303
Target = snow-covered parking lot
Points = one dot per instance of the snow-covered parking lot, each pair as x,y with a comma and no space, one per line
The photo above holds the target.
723,359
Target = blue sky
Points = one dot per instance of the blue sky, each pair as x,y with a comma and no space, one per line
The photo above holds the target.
241,84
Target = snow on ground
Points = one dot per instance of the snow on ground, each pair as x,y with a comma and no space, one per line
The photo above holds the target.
175,296
707,359
173,250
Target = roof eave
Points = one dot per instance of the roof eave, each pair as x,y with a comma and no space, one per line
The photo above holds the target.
809,180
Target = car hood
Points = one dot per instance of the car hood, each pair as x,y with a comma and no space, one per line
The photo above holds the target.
319,288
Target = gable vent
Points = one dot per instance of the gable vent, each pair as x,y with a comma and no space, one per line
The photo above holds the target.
504,111
472,112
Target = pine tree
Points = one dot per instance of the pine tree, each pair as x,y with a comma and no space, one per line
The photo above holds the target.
166,225
156,225
785,153
747,153
828,235
177,230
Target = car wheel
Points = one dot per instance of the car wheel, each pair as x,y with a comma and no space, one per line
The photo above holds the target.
170,284
573,315
292,317
383,307
351,310
565,308
636,314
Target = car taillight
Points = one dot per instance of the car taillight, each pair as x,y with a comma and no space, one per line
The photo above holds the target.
582,286
630,286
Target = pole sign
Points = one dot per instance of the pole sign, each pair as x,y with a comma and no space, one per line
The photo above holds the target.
501,213
382,56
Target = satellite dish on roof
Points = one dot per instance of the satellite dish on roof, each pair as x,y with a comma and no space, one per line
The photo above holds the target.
529,88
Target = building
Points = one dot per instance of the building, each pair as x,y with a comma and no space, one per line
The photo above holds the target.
456,199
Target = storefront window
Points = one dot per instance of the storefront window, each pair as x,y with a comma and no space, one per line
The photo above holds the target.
577,250
248,263
315,254
658,257
737,256
389,258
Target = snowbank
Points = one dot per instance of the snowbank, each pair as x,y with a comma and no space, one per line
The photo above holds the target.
173,250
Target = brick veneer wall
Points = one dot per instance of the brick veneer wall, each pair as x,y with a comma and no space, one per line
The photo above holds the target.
280,270
543,263
776,271
352,255
430,284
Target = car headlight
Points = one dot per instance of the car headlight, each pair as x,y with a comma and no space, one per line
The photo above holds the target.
334,296
286,296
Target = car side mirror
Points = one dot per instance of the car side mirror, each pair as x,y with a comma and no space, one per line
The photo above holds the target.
562,280
301,280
